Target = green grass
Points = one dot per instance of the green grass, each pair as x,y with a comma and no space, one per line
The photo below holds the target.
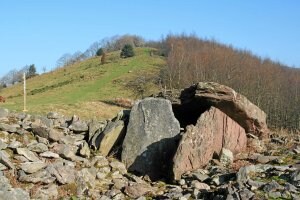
80,88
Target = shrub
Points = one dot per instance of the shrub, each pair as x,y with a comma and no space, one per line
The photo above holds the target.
127,51
103,59
100,52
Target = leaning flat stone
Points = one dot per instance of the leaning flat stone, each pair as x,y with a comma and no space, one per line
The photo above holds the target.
95,126
4,159
112,133
27,154
49,154
151,138
32,167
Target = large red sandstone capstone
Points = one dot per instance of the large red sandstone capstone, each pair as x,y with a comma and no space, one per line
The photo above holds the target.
235,105
213,131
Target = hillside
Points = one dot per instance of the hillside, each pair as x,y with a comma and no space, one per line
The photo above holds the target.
82,88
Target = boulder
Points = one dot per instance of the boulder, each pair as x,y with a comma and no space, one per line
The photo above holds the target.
113,132
213,131
152,137
235,105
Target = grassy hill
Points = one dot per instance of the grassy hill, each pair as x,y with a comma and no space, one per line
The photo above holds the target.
82,88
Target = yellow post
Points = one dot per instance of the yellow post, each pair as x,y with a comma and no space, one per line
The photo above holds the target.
24,77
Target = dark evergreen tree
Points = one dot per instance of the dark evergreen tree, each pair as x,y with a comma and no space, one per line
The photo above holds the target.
127,51
100,52
31,71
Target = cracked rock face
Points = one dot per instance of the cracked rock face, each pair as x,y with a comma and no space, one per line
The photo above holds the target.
151,137
213,131
233,104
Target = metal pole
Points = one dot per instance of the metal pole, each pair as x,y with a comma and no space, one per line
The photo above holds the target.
24,77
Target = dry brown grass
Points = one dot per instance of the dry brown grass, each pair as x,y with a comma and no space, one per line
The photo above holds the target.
88,110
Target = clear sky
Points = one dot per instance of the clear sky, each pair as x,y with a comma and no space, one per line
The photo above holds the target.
40,31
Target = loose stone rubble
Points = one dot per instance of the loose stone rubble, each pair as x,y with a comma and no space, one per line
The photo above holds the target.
57,157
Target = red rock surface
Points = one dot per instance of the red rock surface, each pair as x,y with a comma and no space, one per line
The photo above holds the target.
235,105
213,131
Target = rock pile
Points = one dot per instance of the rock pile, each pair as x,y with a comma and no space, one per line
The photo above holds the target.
194,149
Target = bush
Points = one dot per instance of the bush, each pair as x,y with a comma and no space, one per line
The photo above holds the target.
100,52
127,51
103,59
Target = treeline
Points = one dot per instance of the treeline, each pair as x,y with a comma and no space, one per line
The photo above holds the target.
272,86
15,76
108,44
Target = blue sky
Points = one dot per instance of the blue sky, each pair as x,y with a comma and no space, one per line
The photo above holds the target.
40,31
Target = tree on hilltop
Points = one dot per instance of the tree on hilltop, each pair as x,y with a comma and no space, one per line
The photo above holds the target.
127,51
100,52
31,71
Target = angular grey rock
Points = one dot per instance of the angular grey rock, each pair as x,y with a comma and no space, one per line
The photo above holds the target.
246,194
116,165
49,154
226,157
136,190
41,121
94,127
2,167
55,135
79,126
32,167
46,192
9,128
243,173
42,176
38,147
15,144
53,115
21,158
113,132
4,159
64,174
3,145
7,192
100,161
40,131
274,194
69,152
27,154
151,138
85,150
42,140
